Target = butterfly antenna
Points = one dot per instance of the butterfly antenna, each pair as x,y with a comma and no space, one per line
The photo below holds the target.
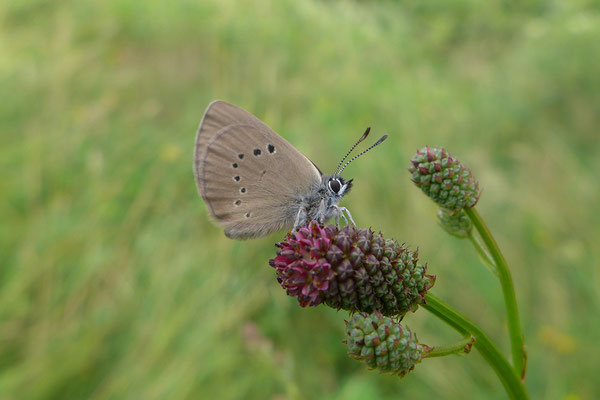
363,137
363,152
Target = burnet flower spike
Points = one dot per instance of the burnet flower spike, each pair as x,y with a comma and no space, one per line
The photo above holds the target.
444,179
383,344
351,269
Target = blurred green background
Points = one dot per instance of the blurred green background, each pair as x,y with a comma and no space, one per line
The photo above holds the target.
113,282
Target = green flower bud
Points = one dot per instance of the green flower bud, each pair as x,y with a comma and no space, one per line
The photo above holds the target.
383,344
455,223
444,179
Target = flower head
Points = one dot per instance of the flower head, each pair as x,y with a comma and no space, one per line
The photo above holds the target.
351,269
384,344
444,179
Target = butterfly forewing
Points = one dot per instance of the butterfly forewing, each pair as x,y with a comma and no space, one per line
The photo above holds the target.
250,177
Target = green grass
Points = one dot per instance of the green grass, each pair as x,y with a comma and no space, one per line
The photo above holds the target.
113,282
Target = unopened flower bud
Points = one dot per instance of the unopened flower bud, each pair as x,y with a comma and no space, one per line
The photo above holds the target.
456,223
444,179
383,344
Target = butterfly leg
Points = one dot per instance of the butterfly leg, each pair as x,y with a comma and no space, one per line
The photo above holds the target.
336,215
343,210
321,217
300,217
340,211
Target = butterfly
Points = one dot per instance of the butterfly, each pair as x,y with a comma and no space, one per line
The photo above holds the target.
255,182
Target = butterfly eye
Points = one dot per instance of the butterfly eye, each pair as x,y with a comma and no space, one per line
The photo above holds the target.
335,186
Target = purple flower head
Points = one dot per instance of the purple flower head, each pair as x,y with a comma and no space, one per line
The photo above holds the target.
351,269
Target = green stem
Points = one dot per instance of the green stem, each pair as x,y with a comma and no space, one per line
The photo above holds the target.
508,290
483,255
462,346
511,382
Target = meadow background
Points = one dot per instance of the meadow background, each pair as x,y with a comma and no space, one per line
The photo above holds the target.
113,282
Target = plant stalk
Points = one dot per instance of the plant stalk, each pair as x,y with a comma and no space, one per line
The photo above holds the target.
483,255
508,290
514,387
462,346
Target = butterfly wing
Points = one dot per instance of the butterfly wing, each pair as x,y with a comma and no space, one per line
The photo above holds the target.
250,178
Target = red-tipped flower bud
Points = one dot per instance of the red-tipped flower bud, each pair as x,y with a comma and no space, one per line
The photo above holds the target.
351,269
444,179
383,344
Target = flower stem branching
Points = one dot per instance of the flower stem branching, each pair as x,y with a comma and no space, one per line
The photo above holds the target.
460,347
483,254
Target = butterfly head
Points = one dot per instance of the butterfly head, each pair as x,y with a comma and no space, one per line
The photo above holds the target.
338,186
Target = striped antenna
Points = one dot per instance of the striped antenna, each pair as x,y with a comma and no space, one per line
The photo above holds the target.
363,137
361,153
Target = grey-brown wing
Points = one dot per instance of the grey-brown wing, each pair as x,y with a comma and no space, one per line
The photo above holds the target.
250,178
